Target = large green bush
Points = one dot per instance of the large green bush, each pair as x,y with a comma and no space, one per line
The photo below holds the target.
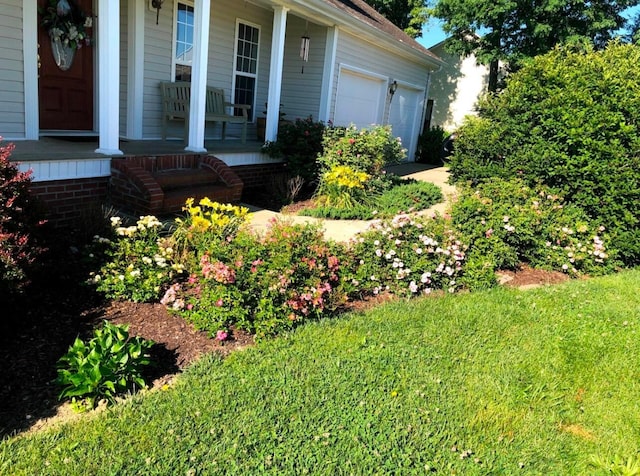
569,120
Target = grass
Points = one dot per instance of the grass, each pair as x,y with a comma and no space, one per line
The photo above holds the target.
545,381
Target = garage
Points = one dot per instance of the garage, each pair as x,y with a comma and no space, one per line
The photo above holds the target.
405,115
360,98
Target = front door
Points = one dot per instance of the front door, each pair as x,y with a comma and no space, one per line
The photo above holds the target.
65,96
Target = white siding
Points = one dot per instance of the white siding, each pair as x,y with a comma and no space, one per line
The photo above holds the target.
12,106
455,88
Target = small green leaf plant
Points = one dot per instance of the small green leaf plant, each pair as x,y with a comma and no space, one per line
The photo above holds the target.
108,365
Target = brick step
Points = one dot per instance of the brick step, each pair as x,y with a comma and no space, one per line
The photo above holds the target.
172,179
174,199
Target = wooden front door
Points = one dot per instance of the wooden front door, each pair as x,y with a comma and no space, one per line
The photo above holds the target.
66,97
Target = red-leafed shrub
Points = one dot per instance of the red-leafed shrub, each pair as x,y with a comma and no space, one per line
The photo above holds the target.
18,221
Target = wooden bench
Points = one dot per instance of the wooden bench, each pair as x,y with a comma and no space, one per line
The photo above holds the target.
176,99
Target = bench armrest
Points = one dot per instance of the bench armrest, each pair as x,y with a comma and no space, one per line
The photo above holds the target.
245,107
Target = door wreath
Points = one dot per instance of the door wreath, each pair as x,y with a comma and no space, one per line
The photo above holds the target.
66,24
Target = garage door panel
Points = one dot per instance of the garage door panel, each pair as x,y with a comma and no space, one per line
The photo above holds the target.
359,100
404,117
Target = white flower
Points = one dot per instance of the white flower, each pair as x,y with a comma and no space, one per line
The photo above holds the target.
413,287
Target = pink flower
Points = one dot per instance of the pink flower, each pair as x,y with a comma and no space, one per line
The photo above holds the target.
488,233
221,335
219,302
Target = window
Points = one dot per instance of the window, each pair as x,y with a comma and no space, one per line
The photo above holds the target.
246,67
183,56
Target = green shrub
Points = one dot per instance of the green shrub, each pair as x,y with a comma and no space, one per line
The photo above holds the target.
430,145
18,222
403,196
407,197
262,284
108,365
139,263
406,255
298,144
569,120
506,222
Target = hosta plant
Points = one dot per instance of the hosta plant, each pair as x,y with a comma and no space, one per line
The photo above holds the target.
110,364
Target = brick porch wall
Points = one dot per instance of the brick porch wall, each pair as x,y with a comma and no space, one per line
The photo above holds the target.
257,176
67,202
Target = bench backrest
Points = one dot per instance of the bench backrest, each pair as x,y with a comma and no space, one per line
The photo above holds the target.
215,101
176,98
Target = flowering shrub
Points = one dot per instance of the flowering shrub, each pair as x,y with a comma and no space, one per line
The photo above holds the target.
18,221
364,150
139,262
261,284
298,144
508,222
351,167
206,224
342,187
406,255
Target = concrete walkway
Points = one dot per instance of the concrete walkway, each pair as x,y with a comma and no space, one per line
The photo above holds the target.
343,230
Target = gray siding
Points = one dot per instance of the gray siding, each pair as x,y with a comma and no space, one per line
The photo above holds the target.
158,51
11,70
301,91
124,57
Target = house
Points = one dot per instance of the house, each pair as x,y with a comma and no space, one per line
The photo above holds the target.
455,89
334,60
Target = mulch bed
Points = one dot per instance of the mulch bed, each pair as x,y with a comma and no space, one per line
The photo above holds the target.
37,329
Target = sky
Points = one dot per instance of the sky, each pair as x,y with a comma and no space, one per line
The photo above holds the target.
432,32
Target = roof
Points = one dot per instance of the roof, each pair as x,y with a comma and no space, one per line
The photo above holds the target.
366,13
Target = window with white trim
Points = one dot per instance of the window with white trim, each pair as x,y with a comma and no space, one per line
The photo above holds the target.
245,72
183,45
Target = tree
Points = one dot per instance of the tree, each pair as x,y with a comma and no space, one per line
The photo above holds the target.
409,15
513,30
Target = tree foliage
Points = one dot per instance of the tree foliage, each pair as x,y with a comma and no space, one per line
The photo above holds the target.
409,15
513,30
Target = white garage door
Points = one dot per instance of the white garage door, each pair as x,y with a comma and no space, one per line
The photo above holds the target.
360,99
404,117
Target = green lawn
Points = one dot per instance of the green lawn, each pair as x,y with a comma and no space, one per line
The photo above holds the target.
545,381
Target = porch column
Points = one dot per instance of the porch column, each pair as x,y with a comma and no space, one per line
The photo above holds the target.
275,73
328,73
30,58
135,70
109,77
202,13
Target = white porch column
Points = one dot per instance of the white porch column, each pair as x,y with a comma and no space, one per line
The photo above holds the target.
275,72
328,73
135,70
109,77
202,13
30,56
